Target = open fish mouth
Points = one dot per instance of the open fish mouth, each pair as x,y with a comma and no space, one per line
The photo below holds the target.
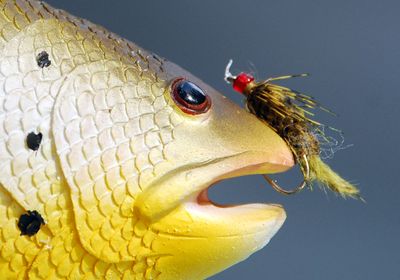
206,231
263,219
280,163
190,183
270,216
203,197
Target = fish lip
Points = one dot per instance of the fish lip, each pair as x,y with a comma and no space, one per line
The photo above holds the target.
184,210
274,214
201,197
186,182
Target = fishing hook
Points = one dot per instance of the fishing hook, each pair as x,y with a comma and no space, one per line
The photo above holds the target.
299,187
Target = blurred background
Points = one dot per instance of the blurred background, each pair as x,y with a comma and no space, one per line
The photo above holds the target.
352,50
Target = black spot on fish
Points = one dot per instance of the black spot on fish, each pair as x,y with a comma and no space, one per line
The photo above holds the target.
42,59
33,140
30,223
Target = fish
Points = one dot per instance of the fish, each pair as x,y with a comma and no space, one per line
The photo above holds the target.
106,155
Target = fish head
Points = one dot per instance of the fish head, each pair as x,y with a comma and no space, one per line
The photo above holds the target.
138,164
198,237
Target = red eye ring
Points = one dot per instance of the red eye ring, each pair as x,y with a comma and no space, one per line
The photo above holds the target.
189,97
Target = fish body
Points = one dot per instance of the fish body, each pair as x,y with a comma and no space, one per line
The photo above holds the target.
119,173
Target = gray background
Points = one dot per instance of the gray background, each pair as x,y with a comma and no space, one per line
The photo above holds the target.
352,50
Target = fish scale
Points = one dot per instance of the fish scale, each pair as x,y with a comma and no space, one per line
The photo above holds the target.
33,174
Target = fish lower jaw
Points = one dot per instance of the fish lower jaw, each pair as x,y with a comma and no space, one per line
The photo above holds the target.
251,219
267,217
256,219
213,237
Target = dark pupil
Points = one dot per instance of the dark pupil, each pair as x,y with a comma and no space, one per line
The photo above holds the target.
191,93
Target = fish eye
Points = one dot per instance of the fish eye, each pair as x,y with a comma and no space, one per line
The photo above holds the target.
189,97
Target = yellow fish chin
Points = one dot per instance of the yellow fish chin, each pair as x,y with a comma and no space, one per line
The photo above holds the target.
198,238
204,239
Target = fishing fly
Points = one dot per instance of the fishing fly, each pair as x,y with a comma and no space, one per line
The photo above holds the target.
289,114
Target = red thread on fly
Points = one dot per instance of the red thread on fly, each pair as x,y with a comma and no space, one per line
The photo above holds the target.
288,113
